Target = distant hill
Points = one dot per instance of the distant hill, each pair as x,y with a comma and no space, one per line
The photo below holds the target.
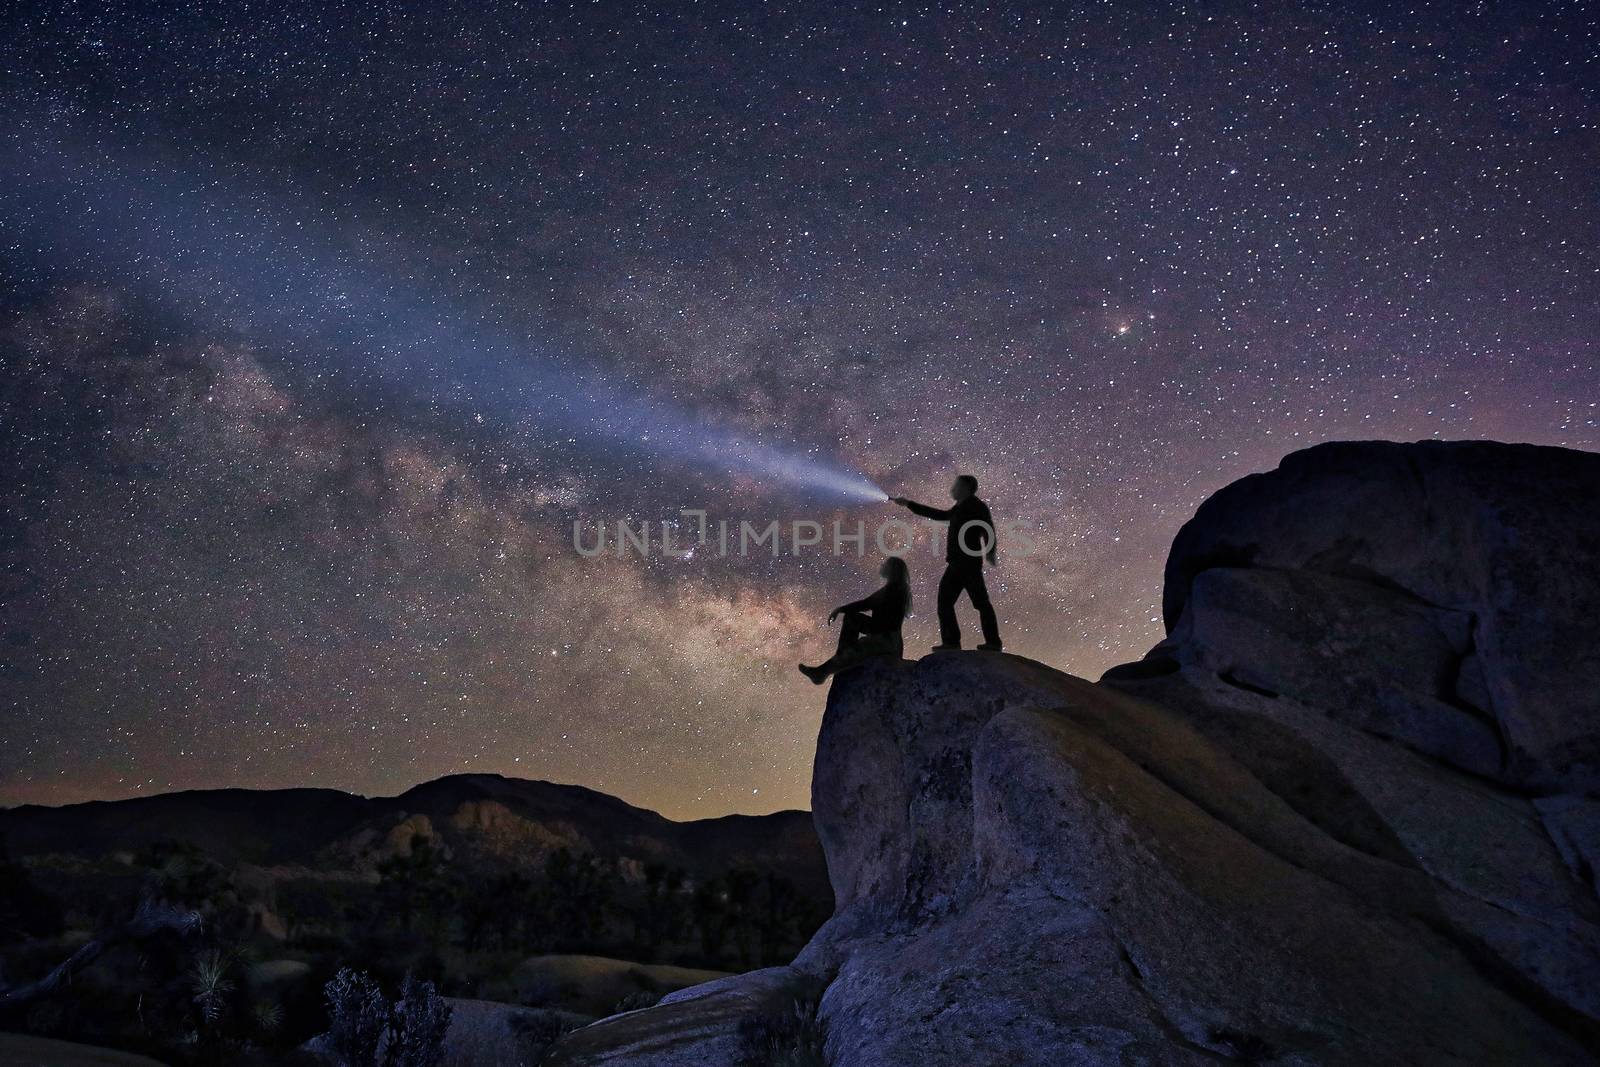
533,907
473,815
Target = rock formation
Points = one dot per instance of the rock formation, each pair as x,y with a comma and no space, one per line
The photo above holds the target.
1344,814
1446,591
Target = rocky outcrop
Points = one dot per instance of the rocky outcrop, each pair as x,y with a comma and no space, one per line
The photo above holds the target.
1473,563
1344,814
1073,874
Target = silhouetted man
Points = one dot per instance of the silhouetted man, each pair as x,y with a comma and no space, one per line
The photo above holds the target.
971,537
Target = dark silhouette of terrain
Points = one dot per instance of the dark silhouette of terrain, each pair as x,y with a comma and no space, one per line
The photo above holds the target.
198,927
483,815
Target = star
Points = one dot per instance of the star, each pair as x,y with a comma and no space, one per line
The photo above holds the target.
239,554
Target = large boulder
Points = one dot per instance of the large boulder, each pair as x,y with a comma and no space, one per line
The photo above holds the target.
1494,547
1051,871
1344,814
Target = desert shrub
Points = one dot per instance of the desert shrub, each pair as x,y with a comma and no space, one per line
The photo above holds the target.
357,1017
365,1029
25,909
791,1038
417,1025
642,998
537,1030
267,1017
759,919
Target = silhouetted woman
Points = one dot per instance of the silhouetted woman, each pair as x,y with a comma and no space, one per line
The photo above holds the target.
872,625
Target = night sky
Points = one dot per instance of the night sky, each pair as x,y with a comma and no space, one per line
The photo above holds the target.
1106,257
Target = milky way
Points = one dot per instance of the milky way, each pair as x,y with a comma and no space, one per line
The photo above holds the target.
1106,258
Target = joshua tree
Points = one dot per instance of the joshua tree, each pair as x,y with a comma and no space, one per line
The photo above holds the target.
742,911
711,918
496,911
659,917
152,919
583,887
211,977
25,909
781,914
413,885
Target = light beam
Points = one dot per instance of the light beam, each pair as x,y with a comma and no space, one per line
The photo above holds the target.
208,248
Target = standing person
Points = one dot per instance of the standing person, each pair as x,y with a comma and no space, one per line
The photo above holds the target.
971,538
872,624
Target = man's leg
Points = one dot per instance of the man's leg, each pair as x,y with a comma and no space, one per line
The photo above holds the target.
978,592
950,587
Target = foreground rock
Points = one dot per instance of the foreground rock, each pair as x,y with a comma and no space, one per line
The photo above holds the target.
1083,876
703,1026
1343,815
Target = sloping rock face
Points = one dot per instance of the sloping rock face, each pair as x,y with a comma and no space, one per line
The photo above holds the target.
1059,872
1344,814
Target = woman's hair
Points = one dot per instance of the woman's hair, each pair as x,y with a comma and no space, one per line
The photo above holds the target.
899,578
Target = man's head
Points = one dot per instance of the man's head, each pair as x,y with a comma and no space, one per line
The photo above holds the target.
965,486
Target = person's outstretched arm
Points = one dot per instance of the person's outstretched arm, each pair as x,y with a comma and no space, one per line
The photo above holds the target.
866,603
942,514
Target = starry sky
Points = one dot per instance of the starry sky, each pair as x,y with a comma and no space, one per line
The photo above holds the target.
1107,257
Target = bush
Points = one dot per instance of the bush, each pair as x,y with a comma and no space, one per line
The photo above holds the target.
537,1029
793,1038
357,1017
417,1026
25,909
362,1025
642,998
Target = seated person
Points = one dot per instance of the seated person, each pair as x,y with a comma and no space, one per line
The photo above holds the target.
872,625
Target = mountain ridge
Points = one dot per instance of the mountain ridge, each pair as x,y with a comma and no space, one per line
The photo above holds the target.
303,825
